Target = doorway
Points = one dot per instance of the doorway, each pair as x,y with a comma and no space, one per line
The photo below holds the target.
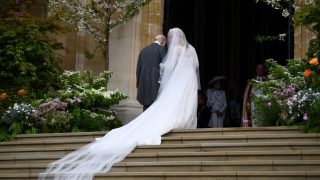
223,34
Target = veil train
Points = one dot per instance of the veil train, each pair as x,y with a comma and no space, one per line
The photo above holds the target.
174,108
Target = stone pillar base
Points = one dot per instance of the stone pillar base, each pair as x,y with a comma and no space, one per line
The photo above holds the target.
128,110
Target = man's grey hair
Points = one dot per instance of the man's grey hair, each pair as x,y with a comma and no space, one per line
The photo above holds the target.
160,37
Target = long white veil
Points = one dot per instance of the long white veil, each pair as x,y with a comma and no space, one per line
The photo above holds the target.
178,49
175,107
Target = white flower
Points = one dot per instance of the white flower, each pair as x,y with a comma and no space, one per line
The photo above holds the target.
111,117
281,38
308,1
285,13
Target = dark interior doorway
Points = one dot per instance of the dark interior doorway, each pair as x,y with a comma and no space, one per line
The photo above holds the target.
223,34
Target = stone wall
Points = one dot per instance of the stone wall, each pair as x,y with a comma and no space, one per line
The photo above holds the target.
126,41
301,41
301,38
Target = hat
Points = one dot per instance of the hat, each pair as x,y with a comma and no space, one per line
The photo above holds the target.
215,78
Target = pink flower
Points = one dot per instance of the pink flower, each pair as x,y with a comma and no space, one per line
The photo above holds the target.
269,104
305,117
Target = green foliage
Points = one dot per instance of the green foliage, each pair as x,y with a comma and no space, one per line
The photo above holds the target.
83,103
262,39
87,91
27,53
85,120
89,101
312,125
56,122
28,58
291,91
96,17
17,119
78,82
88,54
4,135
267,115
314,47
52,116
35,97
308,16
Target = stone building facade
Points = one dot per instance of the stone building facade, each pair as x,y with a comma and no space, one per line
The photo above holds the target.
126,41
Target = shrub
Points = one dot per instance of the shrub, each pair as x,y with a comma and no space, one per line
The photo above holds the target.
267,113
312,121
18,119
89,92
291,89
89,101
53,116
29,61
28,53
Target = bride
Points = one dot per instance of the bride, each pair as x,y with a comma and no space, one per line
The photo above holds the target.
175,107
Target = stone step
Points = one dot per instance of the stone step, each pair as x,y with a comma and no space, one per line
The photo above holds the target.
219,175
177,132
242,138
234,131
186,166
202,147
209,147
69,143
221,153
184,156
207,166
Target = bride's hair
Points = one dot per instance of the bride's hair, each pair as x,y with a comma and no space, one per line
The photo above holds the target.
176,37
177,46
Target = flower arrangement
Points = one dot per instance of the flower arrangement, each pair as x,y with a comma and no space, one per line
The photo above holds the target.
312,72
37,101
19,119
293,89
82,103
53,116
89,101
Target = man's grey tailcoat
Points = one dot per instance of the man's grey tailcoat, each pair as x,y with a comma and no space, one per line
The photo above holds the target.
148,73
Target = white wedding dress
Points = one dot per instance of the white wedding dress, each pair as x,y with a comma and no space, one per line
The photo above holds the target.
174,108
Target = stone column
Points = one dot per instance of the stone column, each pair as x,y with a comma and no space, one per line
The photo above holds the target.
126,41
302,38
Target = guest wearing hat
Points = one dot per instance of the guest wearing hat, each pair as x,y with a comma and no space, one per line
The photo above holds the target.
217,102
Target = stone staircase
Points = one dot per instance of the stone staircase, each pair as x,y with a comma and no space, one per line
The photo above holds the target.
202,154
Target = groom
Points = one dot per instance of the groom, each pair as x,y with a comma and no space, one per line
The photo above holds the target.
148,69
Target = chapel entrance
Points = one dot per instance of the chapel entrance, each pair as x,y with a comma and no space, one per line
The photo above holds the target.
223,34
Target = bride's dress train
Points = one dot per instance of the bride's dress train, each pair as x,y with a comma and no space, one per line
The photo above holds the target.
174,108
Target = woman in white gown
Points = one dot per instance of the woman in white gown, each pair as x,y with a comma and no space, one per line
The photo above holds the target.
175,107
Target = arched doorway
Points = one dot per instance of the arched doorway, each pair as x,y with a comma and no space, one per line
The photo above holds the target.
223,34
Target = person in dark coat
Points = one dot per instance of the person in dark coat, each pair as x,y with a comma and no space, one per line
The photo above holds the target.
148,71
203,111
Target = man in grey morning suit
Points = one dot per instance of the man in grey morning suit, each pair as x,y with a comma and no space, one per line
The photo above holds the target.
148,71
